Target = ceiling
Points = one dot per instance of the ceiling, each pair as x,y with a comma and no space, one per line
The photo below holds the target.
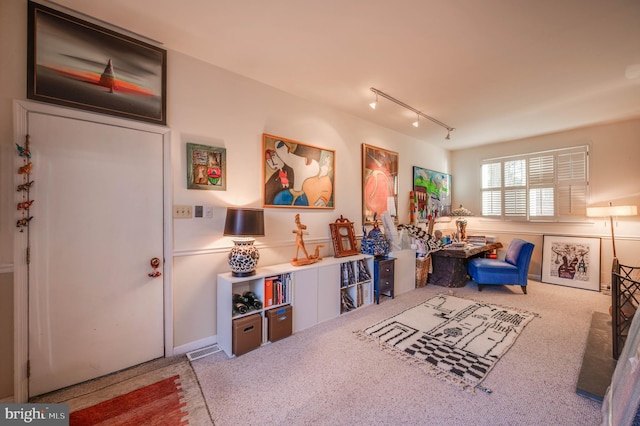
495,70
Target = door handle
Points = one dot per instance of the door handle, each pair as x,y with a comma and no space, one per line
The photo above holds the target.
155,263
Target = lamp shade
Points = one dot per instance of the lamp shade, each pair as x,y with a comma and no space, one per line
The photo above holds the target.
608,211
242,222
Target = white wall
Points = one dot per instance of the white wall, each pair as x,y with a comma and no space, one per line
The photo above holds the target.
614,150
214,107
208,105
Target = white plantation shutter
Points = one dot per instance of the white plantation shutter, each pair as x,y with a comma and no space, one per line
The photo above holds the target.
541,185
572,184
491,189
515,192
550,185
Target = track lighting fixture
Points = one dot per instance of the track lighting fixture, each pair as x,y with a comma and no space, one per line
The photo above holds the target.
410,108
374,103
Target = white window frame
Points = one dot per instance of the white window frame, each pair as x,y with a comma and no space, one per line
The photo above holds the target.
550,186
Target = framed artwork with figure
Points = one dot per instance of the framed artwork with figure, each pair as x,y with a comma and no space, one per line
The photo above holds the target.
379,184
297,175
571,261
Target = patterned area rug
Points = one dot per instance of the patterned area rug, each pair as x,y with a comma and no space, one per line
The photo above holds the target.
161,392
455,339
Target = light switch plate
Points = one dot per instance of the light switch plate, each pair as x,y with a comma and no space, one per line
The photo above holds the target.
182,212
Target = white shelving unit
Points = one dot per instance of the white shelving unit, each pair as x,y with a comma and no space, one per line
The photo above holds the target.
314,292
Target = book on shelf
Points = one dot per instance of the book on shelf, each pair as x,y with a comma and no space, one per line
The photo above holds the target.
363,270
268,291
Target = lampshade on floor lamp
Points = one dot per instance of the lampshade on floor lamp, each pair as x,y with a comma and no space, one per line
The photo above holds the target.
611,211
243,224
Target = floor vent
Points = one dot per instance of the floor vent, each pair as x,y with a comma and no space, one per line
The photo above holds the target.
201,353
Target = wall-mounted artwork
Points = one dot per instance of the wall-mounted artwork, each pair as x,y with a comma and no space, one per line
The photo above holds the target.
571,261
79,64
206,167
432,191
379,184
296,174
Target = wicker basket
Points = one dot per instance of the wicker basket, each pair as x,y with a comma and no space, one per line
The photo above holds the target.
423,265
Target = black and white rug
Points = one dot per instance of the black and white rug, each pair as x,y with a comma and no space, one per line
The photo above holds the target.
459,340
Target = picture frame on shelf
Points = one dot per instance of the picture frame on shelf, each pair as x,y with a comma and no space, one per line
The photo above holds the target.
79,64
571,261
379,184
297,175
432,191
206,167
344,237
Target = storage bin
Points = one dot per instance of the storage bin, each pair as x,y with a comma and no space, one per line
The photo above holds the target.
280,323
247,334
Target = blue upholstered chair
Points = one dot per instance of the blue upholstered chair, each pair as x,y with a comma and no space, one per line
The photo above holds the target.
513,270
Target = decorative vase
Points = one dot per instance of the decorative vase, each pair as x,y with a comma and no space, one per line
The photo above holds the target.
243,257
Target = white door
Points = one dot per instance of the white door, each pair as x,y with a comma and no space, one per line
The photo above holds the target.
97,223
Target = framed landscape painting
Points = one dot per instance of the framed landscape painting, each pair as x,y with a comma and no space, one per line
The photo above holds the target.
78,64
432,191
379,184
297,175
206,167
571,261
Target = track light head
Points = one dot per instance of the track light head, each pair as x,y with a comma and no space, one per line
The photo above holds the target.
448,134
374,104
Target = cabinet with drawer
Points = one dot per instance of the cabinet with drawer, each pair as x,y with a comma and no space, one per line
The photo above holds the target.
383,283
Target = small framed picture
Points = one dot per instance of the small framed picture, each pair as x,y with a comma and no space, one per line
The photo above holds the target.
571,261
206,167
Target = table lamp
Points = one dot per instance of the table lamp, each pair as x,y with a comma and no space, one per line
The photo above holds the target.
243,224
461,224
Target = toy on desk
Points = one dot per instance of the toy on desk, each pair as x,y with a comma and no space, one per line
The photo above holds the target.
308,260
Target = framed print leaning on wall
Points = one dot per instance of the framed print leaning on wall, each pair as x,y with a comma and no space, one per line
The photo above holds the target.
79,64
379,183
433,193
297,175
206,167
571,261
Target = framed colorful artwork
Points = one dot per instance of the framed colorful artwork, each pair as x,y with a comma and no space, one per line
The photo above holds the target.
379,184
206,167
571,261
432,191
297,175
79,64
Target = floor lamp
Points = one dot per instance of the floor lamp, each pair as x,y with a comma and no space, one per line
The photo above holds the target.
619,296
611,211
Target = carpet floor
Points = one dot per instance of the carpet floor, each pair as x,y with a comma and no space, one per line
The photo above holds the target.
325,375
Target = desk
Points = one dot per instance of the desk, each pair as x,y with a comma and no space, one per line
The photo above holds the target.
450,265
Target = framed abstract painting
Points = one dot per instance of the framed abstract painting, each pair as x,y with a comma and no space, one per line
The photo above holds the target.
297,175
379,184
79,64
432,191
571,261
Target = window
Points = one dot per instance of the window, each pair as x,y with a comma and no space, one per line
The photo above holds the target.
549,185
